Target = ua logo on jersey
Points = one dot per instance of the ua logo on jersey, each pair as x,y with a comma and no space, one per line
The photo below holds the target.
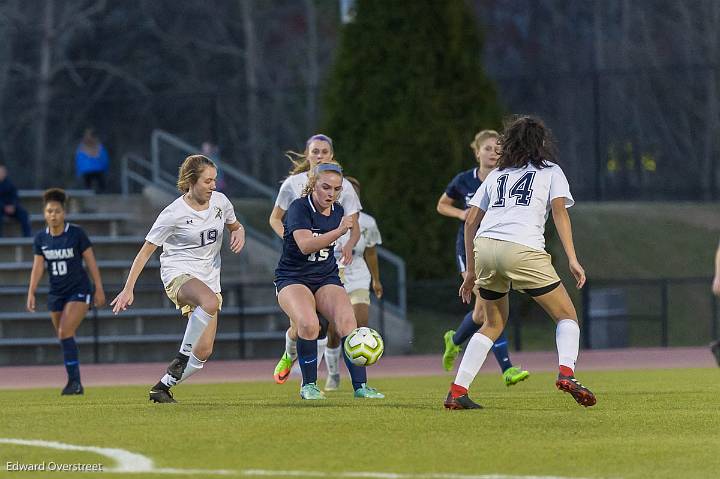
218,212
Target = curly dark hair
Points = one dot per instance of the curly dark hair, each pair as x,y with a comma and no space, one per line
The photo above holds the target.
524,140
55,194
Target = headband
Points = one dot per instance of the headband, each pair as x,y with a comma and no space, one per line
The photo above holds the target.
328,167
319,137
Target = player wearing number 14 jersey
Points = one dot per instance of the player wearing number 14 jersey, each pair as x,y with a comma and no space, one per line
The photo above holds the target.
62,247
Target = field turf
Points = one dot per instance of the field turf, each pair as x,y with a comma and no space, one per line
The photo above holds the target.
659,423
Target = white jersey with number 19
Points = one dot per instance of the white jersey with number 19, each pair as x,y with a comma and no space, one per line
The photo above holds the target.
516,202
191,240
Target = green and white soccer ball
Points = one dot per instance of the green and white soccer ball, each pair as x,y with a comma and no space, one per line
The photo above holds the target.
364,346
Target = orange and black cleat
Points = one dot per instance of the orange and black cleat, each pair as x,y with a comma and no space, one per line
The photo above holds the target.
580,393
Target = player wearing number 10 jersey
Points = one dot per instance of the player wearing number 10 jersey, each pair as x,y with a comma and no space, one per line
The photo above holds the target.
62,247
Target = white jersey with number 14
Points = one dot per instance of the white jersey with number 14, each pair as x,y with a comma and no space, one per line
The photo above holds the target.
516,202
191,240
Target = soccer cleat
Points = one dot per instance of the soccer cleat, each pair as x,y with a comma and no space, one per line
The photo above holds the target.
460,402
332,383
311,391
715,348
72,388
451,350
283,368
367,392
177,366
160,395
514,375
580,393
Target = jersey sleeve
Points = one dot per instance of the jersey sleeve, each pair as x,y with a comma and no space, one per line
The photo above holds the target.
163,227
559,187
453,190
481,198
285,195
298,217
229,211
372,232
37,246
349,199
83,241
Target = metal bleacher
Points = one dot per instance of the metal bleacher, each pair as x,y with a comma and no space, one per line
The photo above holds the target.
250,324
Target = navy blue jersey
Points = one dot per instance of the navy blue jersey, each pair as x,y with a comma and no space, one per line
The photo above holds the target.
462,188
313,267
63,259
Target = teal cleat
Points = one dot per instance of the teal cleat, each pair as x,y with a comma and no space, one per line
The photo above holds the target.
310,391
451,351
514,375
368,393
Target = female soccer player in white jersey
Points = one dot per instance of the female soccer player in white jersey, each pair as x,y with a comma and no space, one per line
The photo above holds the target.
190,231
357,277
318,149
306,278
507,220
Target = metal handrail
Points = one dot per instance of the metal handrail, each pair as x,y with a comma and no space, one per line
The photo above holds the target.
227,169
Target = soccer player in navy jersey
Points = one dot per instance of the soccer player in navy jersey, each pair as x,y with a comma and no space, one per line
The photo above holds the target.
461,189
61,248
307,280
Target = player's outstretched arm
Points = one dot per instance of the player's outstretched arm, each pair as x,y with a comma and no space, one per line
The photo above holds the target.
125,297
564,229
472,223
237,237
89,258
38,268
276,221
446,207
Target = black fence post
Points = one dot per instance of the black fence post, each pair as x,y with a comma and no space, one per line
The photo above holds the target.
241,320
96,335
714,322
586,330
664,313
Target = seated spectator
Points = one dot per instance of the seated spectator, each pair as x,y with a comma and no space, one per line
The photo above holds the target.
91,161
9,205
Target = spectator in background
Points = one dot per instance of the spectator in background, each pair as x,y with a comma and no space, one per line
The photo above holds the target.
9,203
91,161
212,151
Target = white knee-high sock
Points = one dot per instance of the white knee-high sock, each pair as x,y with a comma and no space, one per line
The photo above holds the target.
475,354
322,346
332,359
290,346
194,365
197,322
567,337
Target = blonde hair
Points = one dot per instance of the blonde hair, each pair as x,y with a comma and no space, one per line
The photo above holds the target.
300,162
190,171
481,136
315,174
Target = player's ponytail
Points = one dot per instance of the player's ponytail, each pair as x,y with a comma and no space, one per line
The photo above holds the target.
190,171
55,194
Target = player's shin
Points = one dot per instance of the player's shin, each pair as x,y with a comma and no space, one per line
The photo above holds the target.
307,352
475,354
567,338
358,374
197,322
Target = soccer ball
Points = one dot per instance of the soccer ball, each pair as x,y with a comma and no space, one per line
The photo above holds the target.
364,346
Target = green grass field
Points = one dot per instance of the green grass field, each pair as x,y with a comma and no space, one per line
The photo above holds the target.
661,423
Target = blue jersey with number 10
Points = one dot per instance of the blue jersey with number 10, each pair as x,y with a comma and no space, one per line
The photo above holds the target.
302,215
63,259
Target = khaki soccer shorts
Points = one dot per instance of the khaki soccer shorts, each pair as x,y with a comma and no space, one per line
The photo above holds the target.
500,265
359,296
172,292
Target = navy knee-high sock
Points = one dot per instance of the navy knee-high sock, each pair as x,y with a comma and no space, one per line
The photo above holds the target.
500,350
70,356
307,358
465,331
358,374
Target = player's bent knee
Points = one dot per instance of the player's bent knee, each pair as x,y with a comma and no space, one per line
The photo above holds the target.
210,305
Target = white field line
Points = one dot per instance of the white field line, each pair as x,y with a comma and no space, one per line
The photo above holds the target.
132,463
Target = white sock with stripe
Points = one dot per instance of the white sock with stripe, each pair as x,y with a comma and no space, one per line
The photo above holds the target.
197,322
567,338
194,365
290,346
